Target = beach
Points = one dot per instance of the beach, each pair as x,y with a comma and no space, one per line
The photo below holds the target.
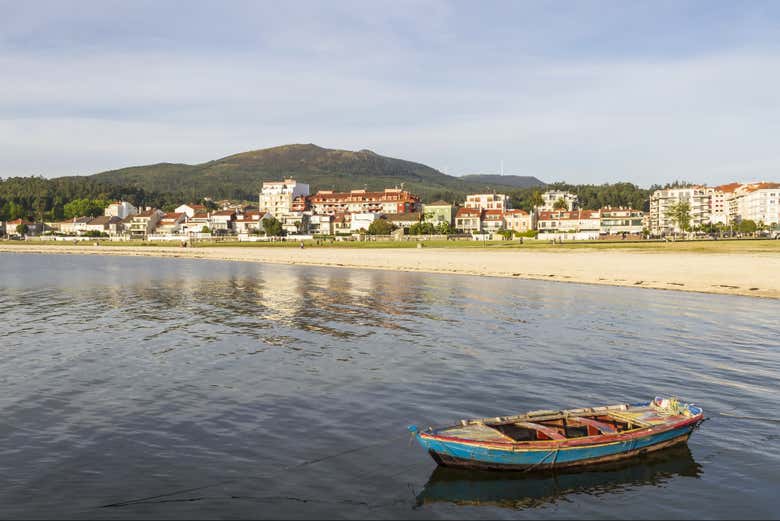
749,274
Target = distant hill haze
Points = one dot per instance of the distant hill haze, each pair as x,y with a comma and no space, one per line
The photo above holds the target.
240,176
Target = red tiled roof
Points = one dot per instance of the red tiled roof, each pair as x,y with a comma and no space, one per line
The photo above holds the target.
468,212
728,188
562,215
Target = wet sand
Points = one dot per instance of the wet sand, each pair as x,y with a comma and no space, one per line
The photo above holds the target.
750,274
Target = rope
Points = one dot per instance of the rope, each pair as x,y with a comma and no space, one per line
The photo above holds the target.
755,418
227,482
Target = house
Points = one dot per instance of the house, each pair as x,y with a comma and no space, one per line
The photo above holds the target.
321,224
196,223
250,222
222,221
468,220
32,228
438,212
75,226
519,220
492,221
294,222
404,220
120,209
170,223
342,223
142,224
109,224
190,209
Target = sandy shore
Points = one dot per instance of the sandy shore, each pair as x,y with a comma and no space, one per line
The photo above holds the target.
756,275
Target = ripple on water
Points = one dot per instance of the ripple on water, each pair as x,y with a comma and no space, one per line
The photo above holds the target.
126,378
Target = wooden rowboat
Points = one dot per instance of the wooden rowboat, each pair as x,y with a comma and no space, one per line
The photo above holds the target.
561,439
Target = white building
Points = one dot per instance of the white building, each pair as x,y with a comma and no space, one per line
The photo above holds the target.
142,224
758,202
171,223
190,209
550,197
320,224
487,202
361,221
277,197
120,209
698,197
616,221
519,220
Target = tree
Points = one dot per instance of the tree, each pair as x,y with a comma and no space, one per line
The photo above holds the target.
536,200
380,227
560,204
272,227
22,229
205,229
444,228
680,214
747,226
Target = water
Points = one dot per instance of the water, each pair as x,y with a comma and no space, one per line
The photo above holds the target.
198,389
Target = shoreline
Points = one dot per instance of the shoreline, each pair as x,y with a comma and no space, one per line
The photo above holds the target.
744,274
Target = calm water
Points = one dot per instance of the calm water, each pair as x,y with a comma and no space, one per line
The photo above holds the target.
196,389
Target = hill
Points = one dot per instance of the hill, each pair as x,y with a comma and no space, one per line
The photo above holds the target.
240,176
515,181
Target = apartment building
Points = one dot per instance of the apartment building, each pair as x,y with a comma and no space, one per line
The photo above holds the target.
487,202
277,197
698,197
616,221
389,201
550,197
758,202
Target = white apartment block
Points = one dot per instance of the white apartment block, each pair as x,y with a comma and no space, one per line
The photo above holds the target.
698,197
277,197
759,202
487,202
551,197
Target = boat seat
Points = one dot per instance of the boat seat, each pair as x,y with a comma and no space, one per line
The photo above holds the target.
602,427
550,432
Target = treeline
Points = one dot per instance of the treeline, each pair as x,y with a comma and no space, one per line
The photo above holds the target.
590,197
38,198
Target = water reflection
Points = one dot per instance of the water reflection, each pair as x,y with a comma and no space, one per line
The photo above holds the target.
520,491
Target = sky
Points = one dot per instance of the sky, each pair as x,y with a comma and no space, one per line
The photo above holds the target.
578,91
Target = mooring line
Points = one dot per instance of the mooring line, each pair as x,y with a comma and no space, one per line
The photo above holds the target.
756,418
314,461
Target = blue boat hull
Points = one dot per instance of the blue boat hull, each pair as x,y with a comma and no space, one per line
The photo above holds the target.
456,454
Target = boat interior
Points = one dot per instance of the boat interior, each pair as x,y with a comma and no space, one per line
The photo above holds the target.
561,425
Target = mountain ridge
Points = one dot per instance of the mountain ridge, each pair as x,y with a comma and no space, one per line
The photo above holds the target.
240,175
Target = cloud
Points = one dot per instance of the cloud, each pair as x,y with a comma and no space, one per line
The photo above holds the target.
441,83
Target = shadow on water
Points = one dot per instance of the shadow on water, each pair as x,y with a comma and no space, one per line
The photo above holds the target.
518,490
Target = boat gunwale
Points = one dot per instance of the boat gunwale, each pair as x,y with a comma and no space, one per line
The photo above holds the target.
584,441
